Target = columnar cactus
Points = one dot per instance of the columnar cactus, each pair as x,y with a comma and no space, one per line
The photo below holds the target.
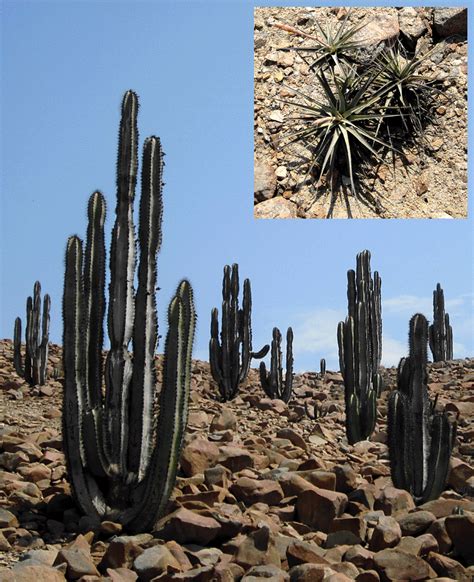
272,382
440,331
121,456
420,440
230,357
360,349
37,339
322,367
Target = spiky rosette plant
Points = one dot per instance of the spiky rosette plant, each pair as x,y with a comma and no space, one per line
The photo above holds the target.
273,383
420,439
121,457
440,331
360,349
34,367
230,352
341,130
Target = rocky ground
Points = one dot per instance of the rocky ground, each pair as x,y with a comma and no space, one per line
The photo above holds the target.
426,184
263,492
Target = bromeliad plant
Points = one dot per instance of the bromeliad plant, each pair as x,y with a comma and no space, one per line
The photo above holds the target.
33,369
272,381
366,108
343,129
420,439
121,457
360,349
440,331
231,354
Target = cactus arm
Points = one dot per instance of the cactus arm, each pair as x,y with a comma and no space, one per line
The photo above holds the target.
440,331
17,360
152,495
34,334
146,327
322,367
84,489
121,306
28,341
264,380
261,353
246,331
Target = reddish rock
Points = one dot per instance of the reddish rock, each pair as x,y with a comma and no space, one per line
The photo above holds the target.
448,567
185,526
252,491
368,576
300,552
318,507
258,548
235,458
272,404
386,534
78,563
293,437
392,500
360,557
438,530
121,553
309,573
356,525
155,561
460,529
226,420
23,572
198,456
414,524
8,519
393,564
122,575
346,478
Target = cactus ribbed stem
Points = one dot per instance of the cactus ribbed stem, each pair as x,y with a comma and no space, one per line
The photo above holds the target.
360,349
121,461
36,339
440,332
420,439
231,354
272,382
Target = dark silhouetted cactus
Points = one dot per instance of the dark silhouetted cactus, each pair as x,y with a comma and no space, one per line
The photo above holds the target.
322,367
272,382
440,332
121,456
36,339
360,349
230,357
420,440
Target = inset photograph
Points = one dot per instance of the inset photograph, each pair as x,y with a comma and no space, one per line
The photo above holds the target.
360,112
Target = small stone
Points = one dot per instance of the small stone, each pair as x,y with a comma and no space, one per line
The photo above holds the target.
318,507
265,183
154,561
386,534
226,420
460,529
235,458
277,116
110,527
257,549
300,552
392,500
416,523
360,557
445,566
252,491
198,455
346,478
281,172
277,207
29,571
121,553
396,565
8,519
79,563
459,474
185,526
450,21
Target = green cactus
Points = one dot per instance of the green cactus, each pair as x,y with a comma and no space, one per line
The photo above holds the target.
420,440
230,357
37,339
121,459
440,331
360,349
272,382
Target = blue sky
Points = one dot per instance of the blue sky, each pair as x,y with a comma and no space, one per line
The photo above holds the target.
65,66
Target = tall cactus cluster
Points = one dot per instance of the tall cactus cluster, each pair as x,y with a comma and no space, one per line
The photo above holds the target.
440,331
231,354
272,382
360,349
121,456
420,439
33,369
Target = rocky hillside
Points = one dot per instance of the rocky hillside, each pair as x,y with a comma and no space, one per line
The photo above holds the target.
263,492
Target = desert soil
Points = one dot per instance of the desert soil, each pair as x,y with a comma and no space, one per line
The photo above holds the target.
431,183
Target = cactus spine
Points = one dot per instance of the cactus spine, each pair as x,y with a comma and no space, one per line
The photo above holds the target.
420,440
121,461
272,382
230,357
37,339
440,331
360,349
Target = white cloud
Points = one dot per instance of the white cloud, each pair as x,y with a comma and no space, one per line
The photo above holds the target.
316,331
392,351
407,304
